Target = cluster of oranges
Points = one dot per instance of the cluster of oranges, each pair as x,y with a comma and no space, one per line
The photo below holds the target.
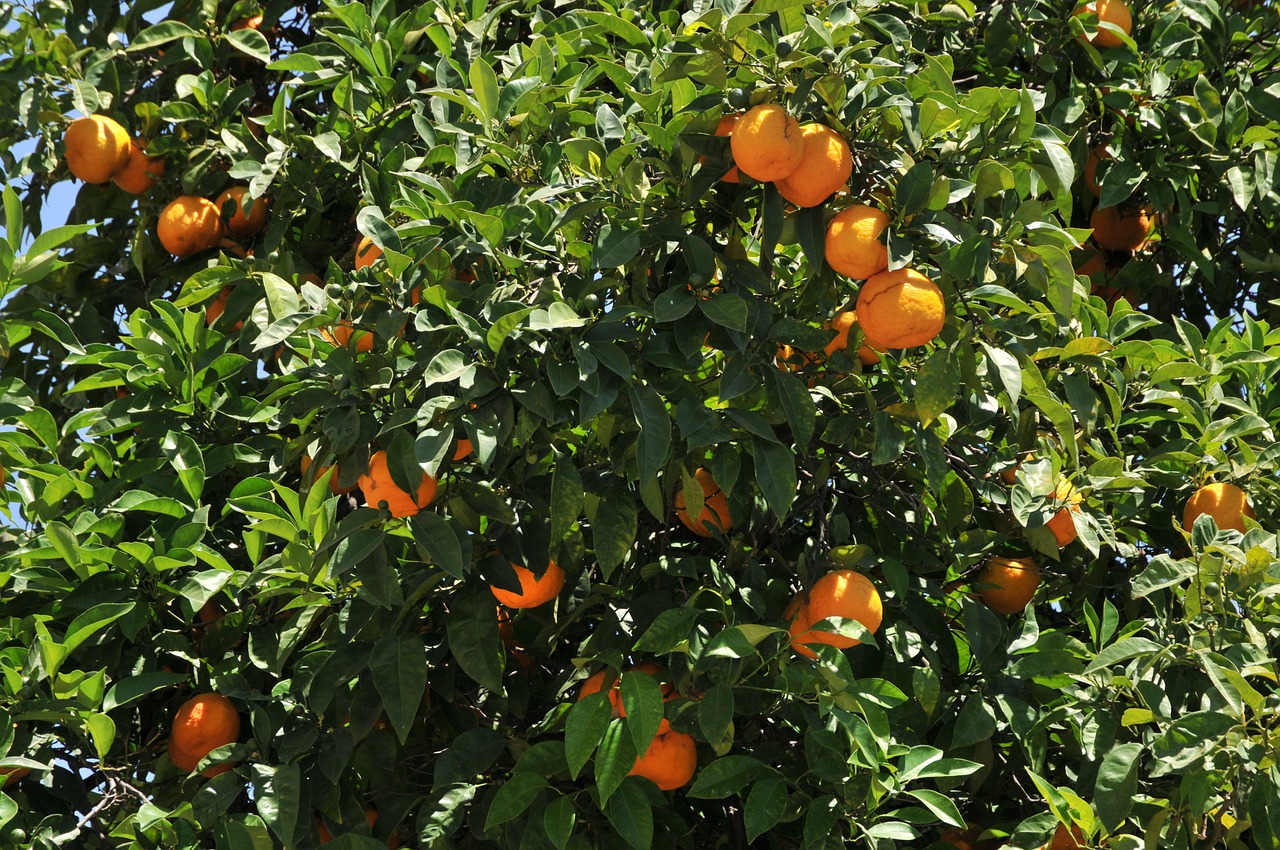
100,150
190,224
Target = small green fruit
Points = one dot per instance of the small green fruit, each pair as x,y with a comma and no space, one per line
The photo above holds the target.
783,50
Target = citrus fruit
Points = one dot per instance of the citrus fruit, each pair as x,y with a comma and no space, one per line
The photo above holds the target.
1121,231
853,246
1226,503
900,309
792,360
534,591
367,253
140,171
1062,524
252,22
725,128
463,449
96,148
12,775
217,307
247,215
189,225
1096,155
715,507
841,593
1064,839
1109,12
370,815
607,678
843,324
342,333
334,487
766,143
203,723
378,486
669,762
1013,583
825,166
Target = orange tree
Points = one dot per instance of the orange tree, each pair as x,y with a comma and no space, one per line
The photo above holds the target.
265,491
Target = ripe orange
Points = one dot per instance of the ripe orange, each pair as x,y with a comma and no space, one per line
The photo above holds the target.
965,839
463,449
715,507
840,593
334,487
1226,503
13,774
96,148
1014,582
506,631
247,217
1109,12
370,815
825,166
342,333
767,143
378,486
853,246
843,324
203,723
1063,524
725,128
1096,155
217,307
367,253
1066,840
533,591
669,762
189,225
140,171
900,309
790,359
250,23
1010,476
1121,231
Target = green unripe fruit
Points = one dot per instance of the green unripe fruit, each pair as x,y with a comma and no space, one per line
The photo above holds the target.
1213,590
827,56
333,290
739,98
591,302
783,50
476,341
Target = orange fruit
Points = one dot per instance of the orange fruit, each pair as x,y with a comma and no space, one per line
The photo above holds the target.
853,246
843,324
669,762
965,839
217,307
1121,231
825,166
607,678
1093,264
1062,524
1064,839
367,253
767,143
725,128
533,591
189,225
342,333
790,359
378,486
841,593
247,217
250,23
203,723
370,815
1109,12
96,148
1096,155
463,449
334,487
140,171
900,309
1013,583
715,507
12,775
1010,476
1226,503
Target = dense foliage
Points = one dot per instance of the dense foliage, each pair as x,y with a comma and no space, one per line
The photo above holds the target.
567,283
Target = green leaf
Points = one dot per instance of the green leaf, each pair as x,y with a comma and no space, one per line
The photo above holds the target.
558,820
654,441
974,724
775,467
1189,739
1116,784
725,776
940,805
251,43
472,632
470,754
642,699
513,797
484,82
187,460
1122,651
614,531
913,189
133,688
161,33
797,405
448,546
726,309
631,814
615,756
937,386
102,729
567,496
765,806
278,798
399,666
615,245
586,725
715,713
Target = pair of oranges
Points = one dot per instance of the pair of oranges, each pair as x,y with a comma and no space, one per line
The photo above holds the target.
190,224
98,150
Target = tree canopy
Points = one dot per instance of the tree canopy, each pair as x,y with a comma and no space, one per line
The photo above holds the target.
430,432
